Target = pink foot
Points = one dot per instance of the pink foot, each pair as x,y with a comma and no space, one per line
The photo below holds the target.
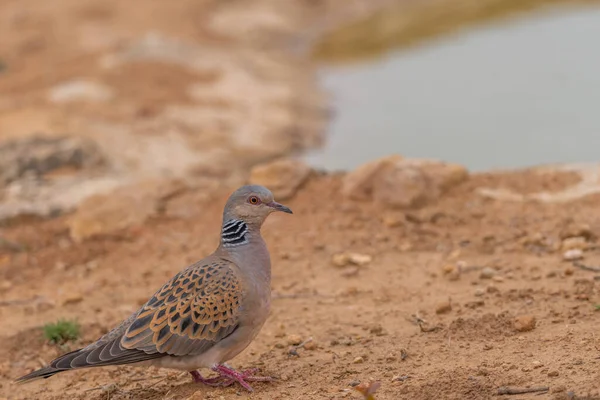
230,376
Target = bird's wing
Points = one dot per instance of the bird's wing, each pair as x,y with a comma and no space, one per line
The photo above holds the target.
196,309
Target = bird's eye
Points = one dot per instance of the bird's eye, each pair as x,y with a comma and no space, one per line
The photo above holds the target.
253,200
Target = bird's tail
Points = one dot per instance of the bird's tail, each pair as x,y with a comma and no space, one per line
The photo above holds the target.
42,373
52,369
99,354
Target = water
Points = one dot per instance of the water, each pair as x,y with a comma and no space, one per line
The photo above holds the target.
516,94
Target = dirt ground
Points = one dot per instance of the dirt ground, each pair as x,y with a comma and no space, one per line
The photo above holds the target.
363,320
445,308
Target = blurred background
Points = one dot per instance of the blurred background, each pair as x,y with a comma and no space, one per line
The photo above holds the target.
95,95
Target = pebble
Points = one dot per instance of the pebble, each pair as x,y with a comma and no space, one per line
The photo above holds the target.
343,259
492,289
294,340
524,323
310,345
537,364
393,220
553,374
443,307
377,330
358,360
487,273
354,382
72,298
573,254
569,271
479,292
574,243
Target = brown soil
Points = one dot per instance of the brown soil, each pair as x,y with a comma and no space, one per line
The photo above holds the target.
363,321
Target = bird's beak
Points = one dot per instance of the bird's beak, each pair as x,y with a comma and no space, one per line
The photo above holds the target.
279,207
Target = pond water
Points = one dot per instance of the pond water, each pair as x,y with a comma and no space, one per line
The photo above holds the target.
514,94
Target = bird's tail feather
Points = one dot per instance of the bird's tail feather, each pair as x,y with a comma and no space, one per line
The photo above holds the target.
109,353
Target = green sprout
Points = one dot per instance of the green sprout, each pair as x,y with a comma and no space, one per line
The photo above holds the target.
61,331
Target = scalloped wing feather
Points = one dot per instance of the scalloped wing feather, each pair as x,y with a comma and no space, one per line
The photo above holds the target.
193,311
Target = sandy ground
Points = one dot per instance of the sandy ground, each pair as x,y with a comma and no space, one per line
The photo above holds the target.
431,264
363,320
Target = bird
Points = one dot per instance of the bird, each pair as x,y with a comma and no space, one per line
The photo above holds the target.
205,315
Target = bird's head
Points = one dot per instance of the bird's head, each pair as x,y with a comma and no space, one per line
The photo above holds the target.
251,204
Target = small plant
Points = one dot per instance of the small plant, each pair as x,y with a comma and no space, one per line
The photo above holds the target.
61,331
597,307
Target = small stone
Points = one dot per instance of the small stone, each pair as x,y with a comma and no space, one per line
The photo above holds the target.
80,90
358,360
569,271
572,255
354,382
574,243
577,230
524,323
487,273
443,307
6,285
393,220
294,340
479,292
536,364
492,289
377,330
498,278
343,259
553,374
488,346
71,298
310,345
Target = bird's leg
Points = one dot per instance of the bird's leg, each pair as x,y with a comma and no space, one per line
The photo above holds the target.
241,377
216,381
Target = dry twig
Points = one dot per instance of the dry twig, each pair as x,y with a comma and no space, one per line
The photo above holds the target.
513,390
586,267
294,350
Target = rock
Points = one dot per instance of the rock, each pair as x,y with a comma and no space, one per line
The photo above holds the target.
377,330
402,186
487,273
71,298
577,230
358,184
343,259
479,292
574,243
310,345
37,156
553,374
524,323
444,307
536,364
402,183
572,255
294,340
358,360
124,208
393,220
283,177
80,90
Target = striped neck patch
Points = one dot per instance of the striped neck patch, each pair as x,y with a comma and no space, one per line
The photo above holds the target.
234,233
